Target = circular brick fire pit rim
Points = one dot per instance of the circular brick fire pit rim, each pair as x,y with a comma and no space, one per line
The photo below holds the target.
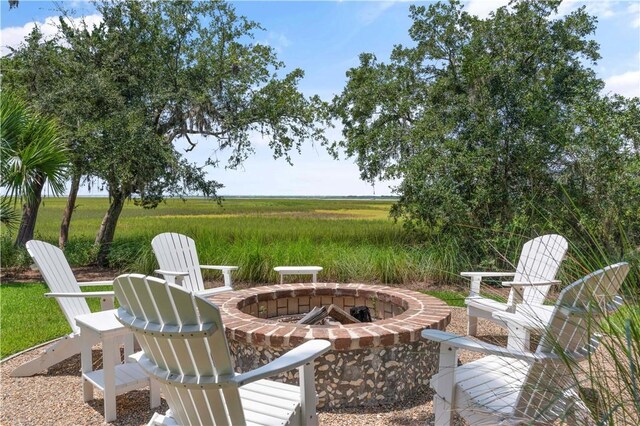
421,311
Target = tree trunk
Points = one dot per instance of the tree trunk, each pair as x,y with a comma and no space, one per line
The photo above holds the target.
29,214
68,210
108,227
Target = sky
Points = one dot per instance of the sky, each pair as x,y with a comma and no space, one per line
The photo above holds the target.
325,38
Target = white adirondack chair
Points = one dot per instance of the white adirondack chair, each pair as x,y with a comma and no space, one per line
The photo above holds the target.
518,387
537,267
178,260
185,349
66,289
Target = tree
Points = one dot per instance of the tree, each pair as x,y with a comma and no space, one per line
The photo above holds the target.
155,72
48,76
484,120
32,155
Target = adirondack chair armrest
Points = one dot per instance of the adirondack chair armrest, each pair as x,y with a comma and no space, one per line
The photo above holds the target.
220,267
462,342
211,291
172,277
487,274
171,273
106,297
519,286
296,357
94,283
476,279
226,272
530,283
82,294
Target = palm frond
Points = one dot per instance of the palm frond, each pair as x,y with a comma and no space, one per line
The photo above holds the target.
9,216
31,150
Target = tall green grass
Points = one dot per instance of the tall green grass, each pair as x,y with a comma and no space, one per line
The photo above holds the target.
610,381
353,240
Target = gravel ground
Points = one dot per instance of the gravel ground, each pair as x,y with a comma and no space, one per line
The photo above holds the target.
55,396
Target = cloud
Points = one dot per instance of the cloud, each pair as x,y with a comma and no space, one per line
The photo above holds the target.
482,8
599,8
627,84
278,41
634,11
373,11
14,36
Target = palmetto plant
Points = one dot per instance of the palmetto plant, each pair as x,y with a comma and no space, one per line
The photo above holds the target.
32,155
8,215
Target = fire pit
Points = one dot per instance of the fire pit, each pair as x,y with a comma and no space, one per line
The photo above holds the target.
370,363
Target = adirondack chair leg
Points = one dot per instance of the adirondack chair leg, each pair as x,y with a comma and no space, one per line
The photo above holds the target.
86,360
227,278
57,352
129,347
109,362
472,324
106,303
443,401
475,286
519,338
308,394
154,393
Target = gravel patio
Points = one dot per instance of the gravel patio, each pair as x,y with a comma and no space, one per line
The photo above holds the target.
55,397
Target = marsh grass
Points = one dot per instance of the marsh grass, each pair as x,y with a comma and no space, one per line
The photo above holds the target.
610,379
353,240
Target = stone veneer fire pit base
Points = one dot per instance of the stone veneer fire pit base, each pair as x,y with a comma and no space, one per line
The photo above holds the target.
357,377
370,363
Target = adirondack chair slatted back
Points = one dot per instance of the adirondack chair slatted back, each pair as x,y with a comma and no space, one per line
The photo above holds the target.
59,278
177,252
571,330
539,261
191,343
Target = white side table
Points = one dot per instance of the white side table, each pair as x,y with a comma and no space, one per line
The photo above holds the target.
115,377
298,270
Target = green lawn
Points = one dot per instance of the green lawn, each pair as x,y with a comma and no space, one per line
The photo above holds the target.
28,318
451,298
